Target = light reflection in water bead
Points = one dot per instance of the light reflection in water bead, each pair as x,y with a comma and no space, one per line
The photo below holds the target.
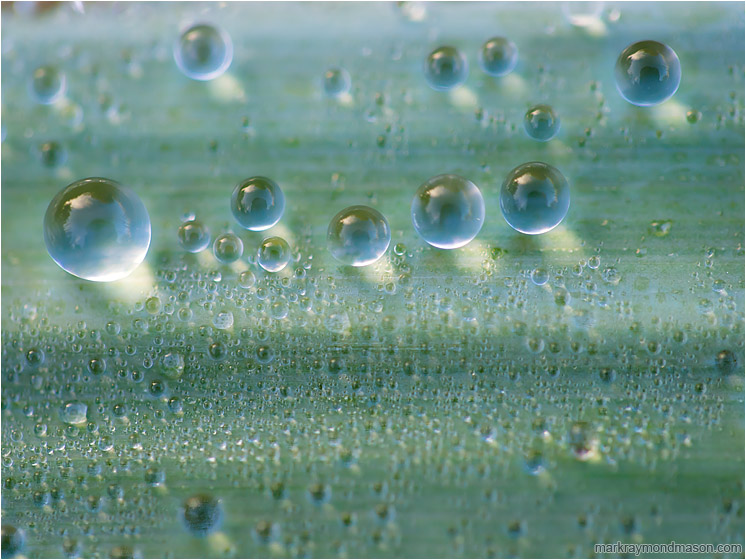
48,85
446,68
257,203
273,254
194,236
227,248
203,52
647,73
498,56
337,82
358,236
448,211
52,154
13,540
74,412
97,229
534,198
541,123
202,514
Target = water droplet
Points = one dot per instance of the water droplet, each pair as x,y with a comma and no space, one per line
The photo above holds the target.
12,540
534,198
660,228
202,514
203,52
498,56
227,248
264,354
647,73
52,154
273,254
74,412
194,236
223,320
541,123
97,229
446,68
726,362
448,211
48,85
319,493
257,203
172,364
246,279
539,276
155,476
337,82
611,275
358,236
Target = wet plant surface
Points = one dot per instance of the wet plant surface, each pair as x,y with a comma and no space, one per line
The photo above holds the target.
519,396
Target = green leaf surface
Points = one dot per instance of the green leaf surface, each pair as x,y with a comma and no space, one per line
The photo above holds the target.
435,404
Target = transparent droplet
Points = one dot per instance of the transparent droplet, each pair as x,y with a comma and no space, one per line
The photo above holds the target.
541,123
97,229
660,228
273,254
52,154
446,68
203,52
337,82
498,56
194,236
647,73
227,248
74,412
48,85
246,279
13,540
172,364
539,276
448,211
534,198
223,320
358,236
257,203
726,362
202,514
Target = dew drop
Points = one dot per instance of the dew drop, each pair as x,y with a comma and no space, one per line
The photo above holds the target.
541,123
498,56
257,203
97,229
202,514
273,254
448,211
647,73
227,248
48,85
358,236
337,82
194,236
446,68
534,198
203,52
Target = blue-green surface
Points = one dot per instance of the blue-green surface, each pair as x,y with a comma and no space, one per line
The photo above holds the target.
435,404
